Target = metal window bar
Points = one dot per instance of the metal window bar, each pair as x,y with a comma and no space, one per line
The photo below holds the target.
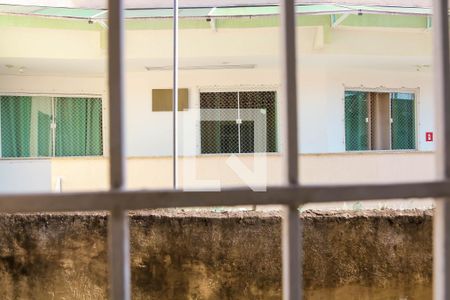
118,201
441,240
118,225
175,94
291,242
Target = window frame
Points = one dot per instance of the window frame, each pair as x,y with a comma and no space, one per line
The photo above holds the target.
61,94
381,89
276,88
290,195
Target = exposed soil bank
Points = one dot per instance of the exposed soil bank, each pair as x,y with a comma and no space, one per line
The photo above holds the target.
208,255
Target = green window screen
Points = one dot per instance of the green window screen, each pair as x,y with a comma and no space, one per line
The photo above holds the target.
248,137
25,126
78,126
38,126
225,137
260,102
356,125
222,132
45,142
211,139
403,130
228,137
219,100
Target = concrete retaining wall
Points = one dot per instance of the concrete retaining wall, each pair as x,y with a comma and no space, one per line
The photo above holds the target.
212,255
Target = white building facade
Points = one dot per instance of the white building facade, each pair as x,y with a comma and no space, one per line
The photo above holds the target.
365,98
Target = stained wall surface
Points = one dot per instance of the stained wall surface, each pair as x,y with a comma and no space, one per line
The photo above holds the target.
191,254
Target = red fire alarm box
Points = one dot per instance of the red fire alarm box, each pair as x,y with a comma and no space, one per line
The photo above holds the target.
429,136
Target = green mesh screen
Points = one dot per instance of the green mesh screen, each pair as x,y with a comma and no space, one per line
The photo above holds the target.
229,137
238,122
403,121
25,126
265,102
247,133
356,125
37,126
398,119
45,142
78,127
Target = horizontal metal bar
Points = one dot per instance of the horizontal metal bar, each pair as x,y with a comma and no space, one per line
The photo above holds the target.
291,195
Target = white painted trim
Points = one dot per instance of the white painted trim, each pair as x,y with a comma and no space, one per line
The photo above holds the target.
245,88
53,105
51,94
239,88
382,89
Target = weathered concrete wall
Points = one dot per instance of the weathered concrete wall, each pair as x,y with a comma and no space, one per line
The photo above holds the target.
206,255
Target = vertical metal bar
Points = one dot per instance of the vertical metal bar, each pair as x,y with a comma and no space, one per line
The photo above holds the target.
175,94
291,241
289,82
119,255
441,261
441,250
291,251
239,121
118,228
116,93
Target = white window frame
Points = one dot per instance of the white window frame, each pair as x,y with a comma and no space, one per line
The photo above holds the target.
415,91
237,89
52,96
118,202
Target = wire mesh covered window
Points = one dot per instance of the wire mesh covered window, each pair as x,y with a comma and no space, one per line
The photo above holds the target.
238,122
379,121
39,126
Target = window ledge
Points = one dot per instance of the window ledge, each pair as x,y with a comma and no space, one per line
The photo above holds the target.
50,158
384,152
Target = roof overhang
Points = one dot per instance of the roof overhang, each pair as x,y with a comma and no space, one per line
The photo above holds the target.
214,11
149,4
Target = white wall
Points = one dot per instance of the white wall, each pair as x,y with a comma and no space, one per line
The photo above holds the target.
25,176
75,64
369,58
329,107
321,108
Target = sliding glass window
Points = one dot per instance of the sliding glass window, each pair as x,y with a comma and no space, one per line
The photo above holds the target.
379,121
41,126
238,122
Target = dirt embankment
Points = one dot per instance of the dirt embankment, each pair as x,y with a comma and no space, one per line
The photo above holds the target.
180,254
